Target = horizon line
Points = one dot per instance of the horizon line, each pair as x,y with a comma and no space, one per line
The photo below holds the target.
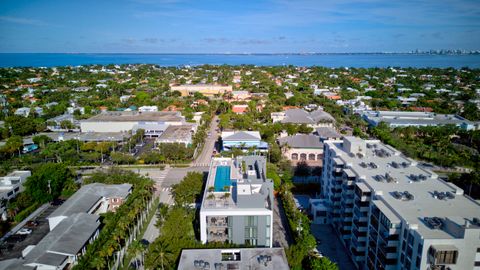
259,53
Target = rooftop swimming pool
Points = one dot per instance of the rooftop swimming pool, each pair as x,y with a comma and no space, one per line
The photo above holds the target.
222,178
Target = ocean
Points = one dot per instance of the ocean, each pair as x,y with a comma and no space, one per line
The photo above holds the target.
326,60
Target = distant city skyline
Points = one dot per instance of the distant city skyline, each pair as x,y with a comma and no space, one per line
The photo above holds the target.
264,26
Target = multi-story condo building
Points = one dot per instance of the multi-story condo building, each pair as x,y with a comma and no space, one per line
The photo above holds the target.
391,213
237,203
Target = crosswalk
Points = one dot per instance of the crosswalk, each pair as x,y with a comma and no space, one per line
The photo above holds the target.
159,180
165,189
200,165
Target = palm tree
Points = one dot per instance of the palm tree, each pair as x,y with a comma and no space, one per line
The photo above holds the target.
98,262
160,251
136,248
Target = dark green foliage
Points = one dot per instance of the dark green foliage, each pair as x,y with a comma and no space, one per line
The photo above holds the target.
48,182
122,158
175,151
298,253
22,126
189,189
431,143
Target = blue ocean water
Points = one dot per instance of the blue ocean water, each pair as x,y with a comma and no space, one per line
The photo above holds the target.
327,60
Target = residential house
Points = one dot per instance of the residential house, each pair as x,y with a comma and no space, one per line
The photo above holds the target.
314,119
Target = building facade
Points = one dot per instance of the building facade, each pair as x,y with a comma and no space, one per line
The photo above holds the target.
392,214
237,203
208,90
10,186
417,119
302,148
124,121
240,258
313,119
243,140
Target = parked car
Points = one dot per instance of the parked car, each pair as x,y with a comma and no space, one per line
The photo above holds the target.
32,224
24,231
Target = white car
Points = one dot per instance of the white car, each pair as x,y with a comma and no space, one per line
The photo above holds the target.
24,231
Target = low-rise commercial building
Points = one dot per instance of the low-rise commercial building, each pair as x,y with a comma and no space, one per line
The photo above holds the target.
208,90
241,258
392,214
61,247
177,134
94,198
417,119
123,121
237,203
244,140
55,123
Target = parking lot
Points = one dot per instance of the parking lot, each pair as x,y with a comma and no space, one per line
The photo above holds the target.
331,247
15,244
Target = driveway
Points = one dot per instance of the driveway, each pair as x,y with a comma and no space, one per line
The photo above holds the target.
331,246
281,234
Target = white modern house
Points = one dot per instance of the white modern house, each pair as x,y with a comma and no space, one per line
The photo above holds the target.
237,206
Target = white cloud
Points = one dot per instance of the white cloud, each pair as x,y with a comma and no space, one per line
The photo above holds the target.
20,20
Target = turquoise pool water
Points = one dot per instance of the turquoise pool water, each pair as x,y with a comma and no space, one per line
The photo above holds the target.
222,178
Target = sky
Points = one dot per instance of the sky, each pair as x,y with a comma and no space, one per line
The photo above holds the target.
231,26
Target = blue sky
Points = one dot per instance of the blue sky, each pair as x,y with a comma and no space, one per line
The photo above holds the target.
230,26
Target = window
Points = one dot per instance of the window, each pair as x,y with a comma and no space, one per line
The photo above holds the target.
303,156
250,232
319,157
444,256
311,157
294,156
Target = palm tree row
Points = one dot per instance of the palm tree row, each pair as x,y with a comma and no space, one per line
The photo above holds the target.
119,228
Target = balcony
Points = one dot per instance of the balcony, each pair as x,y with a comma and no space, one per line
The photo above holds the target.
217,234
217,222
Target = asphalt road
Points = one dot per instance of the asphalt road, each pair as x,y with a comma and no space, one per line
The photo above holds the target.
203,159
